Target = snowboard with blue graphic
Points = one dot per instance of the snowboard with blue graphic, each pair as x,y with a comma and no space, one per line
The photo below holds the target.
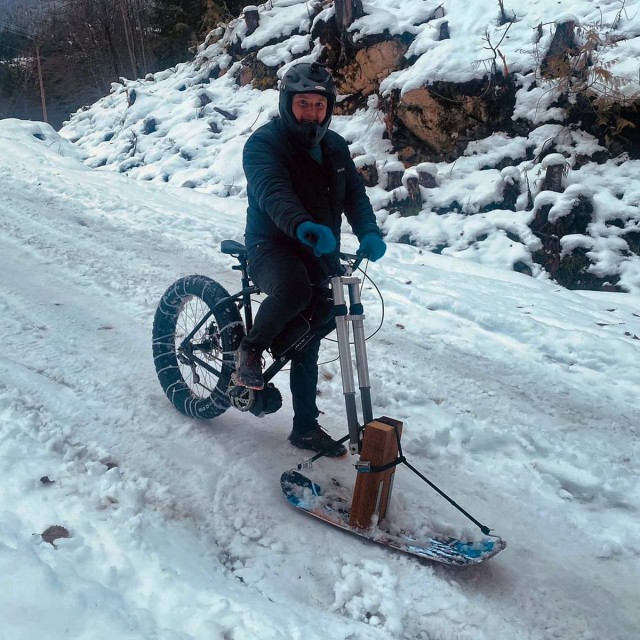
309,497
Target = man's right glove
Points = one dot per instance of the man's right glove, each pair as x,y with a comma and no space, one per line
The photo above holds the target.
317,236
372,246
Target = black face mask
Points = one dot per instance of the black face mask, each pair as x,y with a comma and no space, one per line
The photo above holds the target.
307,134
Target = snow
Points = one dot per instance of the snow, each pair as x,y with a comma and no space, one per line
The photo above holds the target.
186,126
519,398
275,21
476,27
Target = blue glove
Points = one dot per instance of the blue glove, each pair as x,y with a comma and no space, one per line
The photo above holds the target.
372,246
317,236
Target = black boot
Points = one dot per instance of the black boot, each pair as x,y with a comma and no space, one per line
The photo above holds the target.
317,439
248,359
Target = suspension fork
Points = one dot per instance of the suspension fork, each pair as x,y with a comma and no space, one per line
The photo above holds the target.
354,315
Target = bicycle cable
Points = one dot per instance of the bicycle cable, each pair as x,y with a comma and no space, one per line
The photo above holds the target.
382,309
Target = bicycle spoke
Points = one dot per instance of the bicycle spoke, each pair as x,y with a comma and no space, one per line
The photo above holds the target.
205,343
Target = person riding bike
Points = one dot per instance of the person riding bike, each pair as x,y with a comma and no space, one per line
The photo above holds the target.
300,181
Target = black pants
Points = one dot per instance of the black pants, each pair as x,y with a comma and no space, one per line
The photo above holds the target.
287,275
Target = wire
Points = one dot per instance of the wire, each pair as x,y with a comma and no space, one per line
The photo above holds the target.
16,30
382,307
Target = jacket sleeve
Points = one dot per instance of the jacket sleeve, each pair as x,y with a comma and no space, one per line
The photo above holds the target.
357,205
269,182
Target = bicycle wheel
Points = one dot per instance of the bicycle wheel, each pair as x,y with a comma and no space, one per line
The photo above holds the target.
190,330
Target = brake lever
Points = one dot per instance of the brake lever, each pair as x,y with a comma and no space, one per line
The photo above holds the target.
359,258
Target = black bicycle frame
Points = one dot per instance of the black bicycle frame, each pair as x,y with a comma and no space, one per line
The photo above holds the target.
315,334
243,299
339,318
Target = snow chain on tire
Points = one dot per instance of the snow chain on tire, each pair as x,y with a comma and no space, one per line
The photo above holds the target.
191,388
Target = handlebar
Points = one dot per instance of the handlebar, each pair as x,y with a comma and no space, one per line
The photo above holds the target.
354,260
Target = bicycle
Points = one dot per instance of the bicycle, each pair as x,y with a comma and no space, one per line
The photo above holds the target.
198,326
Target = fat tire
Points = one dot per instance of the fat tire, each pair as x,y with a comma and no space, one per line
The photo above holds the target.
226,323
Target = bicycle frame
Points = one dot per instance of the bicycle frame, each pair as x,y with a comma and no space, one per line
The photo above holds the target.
340,318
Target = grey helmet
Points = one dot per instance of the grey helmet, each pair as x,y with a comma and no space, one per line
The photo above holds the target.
306,77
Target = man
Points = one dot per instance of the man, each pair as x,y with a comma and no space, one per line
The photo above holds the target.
300,180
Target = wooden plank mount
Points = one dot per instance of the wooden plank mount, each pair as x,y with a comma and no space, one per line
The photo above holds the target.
372,490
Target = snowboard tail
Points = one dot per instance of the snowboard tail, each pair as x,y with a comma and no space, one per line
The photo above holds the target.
309,497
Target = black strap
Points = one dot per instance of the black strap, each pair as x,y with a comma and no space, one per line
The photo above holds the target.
307,463
402,460
384,467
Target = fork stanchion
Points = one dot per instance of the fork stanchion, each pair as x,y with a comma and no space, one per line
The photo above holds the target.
356,315
346,366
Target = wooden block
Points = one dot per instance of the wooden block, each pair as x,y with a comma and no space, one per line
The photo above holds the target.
373,490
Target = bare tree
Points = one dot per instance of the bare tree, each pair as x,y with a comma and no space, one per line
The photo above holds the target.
128,34
346,12
85,45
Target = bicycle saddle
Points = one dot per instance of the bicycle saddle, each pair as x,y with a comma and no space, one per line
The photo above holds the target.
233,248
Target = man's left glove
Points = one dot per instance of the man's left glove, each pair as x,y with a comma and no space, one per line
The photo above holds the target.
372,246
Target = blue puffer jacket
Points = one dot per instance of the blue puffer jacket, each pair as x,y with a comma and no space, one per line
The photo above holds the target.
286,187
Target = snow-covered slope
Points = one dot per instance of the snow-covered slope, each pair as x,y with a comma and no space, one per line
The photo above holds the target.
186,126
519,398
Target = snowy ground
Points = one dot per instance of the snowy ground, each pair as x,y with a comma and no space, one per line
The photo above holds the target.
519,398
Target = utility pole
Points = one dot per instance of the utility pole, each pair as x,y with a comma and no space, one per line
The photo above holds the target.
41,83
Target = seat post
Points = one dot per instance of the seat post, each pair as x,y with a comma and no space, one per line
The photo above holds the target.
246,296
239,252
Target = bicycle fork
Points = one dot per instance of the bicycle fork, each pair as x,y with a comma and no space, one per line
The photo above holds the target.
354,315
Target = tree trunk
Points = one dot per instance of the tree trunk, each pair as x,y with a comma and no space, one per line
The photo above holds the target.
141,34
112,50
128,35
346,12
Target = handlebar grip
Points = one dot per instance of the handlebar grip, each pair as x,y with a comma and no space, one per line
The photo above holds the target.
311,237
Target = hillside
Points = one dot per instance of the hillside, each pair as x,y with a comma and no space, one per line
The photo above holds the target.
471,140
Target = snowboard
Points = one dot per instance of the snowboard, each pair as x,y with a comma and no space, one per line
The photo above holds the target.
332,508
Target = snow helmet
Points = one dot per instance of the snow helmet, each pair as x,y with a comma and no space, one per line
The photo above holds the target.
306,77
